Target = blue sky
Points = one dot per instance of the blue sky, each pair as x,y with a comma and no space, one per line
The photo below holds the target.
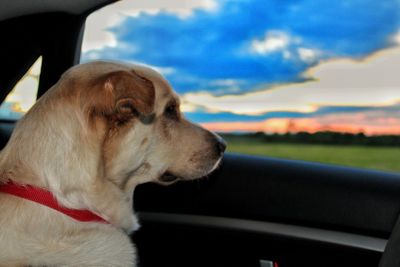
241,47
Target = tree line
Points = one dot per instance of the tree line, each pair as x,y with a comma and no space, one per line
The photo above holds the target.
326,137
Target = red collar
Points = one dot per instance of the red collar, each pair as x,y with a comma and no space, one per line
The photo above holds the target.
46,198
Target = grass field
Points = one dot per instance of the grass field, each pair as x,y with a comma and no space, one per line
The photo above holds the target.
380,158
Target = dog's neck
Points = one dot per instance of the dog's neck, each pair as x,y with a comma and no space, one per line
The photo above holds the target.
46,198
64,159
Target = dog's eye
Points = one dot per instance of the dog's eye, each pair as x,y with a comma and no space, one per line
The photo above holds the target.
171,111
128,108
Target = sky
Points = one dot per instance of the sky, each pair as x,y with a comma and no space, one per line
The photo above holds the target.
272,66
23,95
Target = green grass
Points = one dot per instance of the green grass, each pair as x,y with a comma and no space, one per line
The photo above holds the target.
380,158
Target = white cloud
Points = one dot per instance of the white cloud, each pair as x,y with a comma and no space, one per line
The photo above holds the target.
225,82
307,55
96,34
396,38
281,42
374,81
164,70
188,107
273,41
287,54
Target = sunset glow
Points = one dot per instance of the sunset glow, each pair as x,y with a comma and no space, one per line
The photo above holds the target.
310,125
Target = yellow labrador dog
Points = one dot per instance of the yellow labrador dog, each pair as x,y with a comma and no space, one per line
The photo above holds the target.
68,173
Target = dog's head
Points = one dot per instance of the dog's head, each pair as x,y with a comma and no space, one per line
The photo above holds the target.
134,113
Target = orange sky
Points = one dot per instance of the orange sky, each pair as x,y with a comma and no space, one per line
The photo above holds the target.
346,123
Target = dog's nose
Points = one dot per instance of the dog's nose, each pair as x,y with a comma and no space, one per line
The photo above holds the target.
221,144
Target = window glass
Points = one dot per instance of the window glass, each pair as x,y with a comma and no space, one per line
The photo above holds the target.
23,95
310,80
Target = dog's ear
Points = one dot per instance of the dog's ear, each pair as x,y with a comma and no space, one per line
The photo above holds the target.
123,95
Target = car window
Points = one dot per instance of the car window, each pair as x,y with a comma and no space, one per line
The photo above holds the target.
23,95
308,80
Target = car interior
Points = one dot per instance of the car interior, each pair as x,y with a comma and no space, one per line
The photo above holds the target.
253,211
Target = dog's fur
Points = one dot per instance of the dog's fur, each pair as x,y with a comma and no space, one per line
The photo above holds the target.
102,129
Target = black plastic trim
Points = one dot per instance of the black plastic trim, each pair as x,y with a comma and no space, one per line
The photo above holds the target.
269,228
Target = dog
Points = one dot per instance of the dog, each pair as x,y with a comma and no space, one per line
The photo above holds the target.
101,130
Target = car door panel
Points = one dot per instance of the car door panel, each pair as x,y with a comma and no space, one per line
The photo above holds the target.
253,208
